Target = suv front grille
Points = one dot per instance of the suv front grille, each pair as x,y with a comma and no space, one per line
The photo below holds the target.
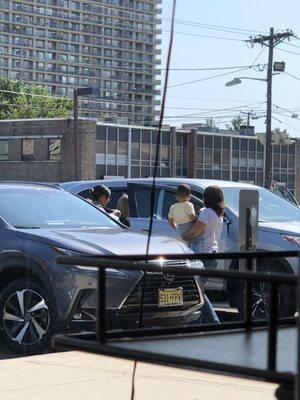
154,282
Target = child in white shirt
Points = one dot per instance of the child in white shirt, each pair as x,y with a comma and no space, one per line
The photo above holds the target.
182,214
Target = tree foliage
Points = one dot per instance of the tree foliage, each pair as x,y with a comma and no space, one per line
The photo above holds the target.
19,101
236,123
210,123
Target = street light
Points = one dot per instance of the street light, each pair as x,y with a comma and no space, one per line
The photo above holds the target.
237,81
84,91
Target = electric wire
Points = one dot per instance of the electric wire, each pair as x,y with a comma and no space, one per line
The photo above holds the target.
257,57
204,36
160,124
293,76
288,51
214,27
207,78
161,118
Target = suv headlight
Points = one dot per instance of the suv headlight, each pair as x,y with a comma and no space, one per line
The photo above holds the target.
196,264
67,252
73,253
292,239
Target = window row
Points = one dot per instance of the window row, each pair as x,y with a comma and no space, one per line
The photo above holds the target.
28,149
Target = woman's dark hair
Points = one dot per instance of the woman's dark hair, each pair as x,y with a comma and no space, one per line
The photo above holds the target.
98,191
213,198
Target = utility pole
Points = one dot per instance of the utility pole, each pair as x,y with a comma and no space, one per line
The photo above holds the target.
268,145
270,41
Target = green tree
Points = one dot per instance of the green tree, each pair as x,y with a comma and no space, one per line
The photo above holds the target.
236,123
18,101
210,123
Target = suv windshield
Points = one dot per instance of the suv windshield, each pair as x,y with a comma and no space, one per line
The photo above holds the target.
271,206
43,208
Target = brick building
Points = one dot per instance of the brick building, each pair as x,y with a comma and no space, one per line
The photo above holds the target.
43,150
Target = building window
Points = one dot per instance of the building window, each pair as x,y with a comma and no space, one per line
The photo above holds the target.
54,149
3,150
27,149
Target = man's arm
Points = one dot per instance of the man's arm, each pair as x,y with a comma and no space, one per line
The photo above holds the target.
197,229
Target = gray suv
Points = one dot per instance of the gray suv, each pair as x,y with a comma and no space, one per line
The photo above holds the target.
39,297
279,229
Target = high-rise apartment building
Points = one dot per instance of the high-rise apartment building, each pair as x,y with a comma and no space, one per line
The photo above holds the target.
112,45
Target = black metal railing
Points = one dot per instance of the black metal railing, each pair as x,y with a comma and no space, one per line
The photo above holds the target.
141,263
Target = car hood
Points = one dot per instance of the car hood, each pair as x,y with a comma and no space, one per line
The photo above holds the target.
104,241
286,227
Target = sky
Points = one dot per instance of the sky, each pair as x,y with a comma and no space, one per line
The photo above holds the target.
212,97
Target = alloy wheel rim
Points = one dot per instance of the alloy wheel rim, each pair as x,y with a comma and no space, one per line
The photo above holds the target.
260,298
26,317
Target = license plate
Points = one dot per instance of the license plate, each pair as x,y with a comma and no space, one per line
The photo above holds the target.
170,297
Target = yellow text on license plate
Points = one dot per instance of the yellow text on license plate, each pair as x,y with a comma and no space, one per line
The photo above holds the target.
170,297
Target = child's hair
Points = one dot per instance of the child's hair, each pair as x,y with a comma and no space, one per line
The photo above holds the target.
183,190
213,198
123,205
98,191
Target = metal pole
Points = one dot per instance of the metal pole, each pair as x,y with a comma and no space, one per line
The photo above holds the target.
101,317
297,378
268,145
272,328
75,122
129,153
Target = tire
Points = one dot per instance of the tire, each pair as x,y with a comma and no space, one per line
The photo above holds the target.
260,294
285,392
26,316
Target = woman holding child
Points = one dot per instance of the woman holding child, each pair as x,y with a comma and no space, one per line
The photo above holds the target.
201,233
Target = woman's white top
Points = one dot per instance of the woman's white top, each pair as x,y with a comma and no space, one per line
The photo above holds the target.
212,233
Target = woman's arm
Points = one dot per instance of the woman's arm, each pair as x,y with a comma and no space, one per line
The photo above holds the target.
197,229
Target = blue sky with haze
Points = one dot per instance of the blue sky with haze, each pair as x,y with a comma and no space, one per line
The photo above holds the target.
201,52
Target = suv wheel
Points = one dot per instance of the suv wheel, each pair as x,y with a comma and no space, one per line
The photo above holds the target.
26,315
286,298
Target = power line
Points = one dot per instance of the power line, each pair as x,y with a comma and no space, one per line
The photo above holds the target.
292,45
49,96
211,99
217,68
135,69
293,76
214,27
286,124
204,36
238,108
81,100
288,51
60,108
257,57
200,117
208,78
29,106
